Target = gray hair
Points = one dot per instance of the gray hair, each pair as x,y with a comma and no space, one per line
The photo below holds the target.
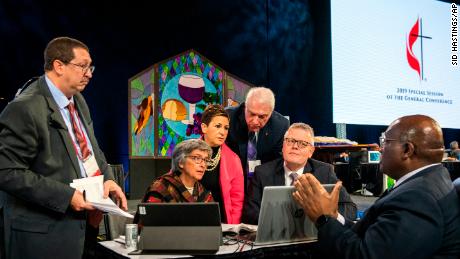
184,149
303,126
263,95
453,145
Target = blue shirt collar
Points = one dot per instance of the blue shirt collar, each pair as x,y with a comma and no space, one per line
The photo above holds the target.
58,95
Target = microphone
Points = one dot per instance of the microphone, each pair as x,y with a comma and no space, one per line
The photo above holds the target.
29,82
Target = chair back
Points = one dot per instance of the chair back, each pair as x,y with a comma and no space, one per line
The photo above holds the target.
456,183
119,174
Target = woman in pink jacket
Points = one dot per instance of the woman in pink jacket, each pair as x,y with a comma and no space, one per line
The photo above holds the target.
224,174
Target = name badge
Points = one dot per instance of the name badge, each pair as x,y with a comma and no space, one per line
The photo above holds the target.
252,165
91,167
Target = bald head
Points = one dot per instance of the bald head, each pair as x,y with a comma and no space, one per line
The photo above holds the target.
425,134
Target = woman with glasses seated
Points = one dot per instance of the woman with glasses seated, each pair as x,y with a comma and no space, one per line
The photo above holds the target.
181,184
224,175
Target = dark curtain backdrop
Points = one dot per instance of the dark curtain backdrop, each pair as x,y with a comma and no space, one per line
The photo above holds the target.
284,45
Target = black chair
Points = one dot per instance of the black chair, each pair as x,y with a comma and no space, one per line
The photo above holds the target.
119,174
457,185
354,170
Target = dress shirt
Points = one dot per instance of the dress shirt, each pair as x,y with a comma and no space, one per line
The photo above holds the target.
408,175
62,102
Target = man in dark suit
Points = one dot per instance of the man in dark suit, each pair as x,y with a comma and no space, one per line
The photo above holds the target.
298,147
254,123
418,218
44,145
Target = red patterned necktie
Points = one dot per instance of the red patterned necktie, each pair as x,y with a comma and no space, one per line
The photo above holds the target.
85,152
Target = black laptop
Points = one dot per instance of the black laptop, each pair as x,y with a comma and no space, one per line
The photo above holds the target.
179,228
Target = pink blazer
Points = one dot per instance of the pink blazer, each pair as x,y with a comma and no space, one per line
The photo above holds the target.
231,184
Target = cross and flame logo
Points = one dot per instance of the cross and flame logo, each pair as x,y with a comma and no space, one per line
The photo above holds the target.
415,34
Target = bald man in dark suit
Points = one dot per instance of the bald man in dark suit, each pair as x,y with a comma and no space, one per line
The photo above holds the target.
418,218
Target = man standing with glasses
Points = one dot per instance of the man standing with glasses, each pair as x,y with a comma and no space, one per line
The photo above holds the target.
418,218
298,147
256,130
46,141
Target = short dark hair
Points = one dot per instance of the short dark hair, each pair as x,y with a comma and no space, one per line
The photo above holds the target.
184,149
61,48
211,111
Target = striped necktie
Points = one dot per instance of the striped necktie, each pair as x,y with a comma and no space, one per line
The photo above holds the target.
85,152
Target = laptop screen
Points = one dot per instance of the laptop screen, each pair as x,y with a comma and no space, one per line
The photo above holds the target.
281,219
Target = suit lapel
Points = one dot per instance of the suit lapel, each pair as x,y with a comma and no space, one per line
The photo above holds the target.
279,179
308,168
57,122
262,138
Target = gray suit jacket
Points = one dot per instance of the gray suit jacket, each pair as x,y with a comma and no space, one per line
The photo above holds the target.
418,219
37,164
272,174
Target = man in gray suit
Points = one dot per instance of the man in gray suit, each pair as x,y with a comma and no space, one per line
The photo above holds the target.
298,147
44,145
418,218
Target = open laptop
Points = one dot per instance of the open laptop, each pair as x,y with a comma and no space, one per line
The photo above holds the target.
281,219
179,228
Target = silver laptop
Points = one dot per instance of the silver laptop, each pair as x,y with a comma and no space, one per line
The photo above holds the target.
179,228
281,219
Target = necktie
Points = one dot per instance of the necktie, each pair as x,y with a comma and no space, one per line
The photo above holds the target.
85,152
252,146
293,177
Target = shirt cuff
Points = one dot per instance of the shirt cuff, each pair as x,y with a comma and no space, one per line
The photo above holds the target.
341,219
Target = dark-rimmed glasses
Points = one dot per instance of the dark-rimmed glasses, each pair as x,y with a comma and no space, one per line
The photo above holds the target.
300,143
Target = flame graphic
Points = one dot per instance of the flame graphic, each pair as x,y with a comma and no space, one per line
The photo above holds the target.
411,58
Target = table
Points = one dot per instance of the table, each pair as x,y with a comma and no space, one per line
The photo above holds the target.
306,249
327,153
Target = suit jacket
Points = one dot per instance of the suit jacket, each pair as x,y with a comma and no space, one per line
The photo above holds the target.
37,164
272,174
269,142
418,219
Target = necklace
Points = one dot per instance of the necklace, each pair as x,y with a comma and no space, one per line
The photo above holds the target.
190,189
212,164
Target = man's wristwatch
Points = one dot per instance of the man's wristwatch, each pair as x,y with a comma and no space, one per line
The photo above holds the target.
321,220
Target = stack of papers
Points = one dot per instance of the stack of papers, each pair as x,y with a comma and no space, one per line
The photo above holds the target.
93,188
239,228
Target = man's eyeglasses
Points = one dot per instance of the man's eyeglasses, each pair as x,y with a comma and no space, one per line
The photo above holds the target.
198,159
300,143
84,68
383,139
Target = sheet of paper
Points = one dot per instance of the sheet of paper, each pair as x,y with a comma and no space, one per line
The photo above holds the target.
94,192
